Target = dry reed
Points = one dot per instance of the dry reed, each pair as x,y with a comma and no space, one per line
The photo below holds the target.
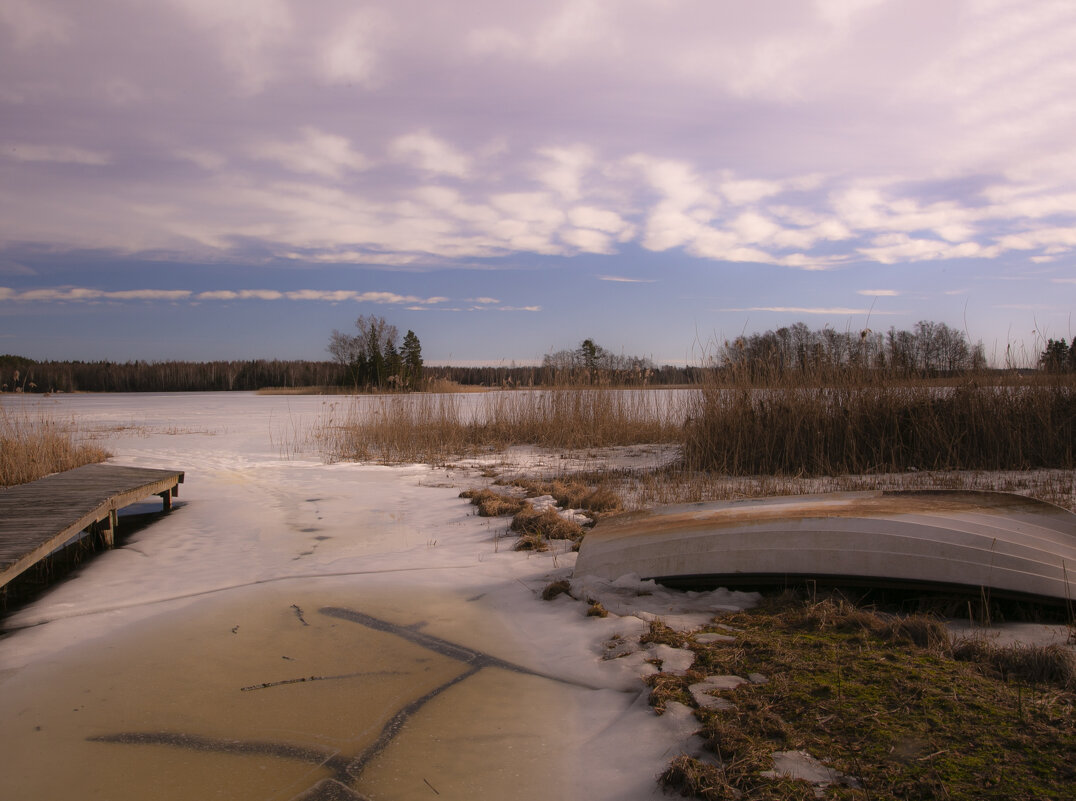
864,423
33,446
436,428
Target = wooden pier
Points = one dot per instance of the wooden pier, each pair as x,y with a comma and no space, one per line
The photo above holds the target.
39,517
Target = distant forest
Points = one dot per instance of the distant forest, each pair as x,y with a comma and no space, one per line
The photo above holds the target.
19,374
930,349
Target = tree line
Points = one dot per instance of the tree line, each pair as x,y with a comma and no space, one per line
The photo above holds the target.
929,349
19,374
511,376
1058,356
375,358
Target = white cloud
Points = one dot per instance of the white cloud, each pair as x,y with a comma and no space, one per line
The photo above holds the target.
70,293
742,192
573,31
564,169
529,221
247,34
893,248
332,296
669,227
74,293
622,280
677,182
600,220
350,54
588,241
578,25
753,227
426,152
878,293
318,153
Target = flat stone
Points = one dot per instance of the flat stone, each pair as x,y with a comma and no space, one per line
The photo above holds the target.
757,678
707,638
707,701
724,682
701,692
801,765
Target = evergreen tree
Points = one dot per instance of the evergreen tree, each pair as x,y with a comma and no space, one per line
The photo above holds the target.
1057,357
370,355
412,361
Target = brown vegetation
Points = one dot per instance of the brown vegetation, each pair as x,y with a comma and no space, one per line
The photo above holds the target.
545,525
436,428
493,504
573,493
869,424
32,447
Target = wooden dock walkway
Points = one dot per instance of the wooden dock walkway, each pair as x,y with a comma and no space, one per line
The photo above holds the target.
41,516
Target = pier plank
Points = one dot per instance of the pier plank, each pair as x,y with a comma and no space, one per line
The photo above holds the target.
39,517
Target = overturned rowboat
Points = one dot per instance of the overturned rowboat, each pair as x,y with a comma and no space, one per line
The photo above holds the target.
936,539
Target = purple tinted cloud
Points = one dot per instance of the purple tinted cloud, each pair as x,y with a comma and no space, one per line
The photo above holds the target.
815,136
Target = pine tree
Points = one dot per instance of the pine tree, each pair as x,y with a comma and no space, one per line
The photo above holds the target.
412,361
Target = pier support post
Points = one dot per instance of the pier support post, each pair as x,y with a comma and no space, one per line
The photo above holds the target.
106,528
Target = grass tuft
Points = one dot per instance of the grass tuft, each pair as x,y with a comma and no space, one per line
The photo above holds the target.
1038,664
573,492
546,524
595,609
493,504
556,588
691,778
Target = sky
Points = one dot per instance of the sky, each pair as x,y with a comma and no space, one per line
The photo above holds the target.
196,179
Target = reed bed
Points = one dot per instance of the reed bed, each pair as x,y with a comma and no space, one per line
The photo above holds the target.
867,425
643,490
33,446
437,428
307,390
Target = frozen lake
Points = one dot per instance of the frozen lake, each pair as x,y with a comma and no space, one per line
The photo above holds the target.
294,623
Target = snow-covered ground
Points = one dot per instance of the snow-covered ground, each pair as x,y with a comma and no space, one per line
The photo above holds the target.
227,649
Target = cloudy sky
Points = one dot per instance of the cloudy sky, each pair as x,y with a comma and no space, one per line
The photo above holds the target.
202,179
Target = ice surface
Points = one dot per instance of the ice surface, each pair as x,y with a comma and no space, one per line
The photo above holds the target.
198,604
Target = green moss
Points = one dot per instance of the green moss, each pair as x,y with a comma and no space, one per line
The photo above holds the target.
881,699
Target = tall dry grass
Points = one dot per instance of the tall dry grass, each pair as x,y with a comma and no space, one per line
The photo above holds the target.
794,425
867,423
35,445
436,428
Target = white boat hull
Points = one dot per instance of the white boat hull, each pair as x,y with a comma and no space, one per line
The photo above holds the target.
981,540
